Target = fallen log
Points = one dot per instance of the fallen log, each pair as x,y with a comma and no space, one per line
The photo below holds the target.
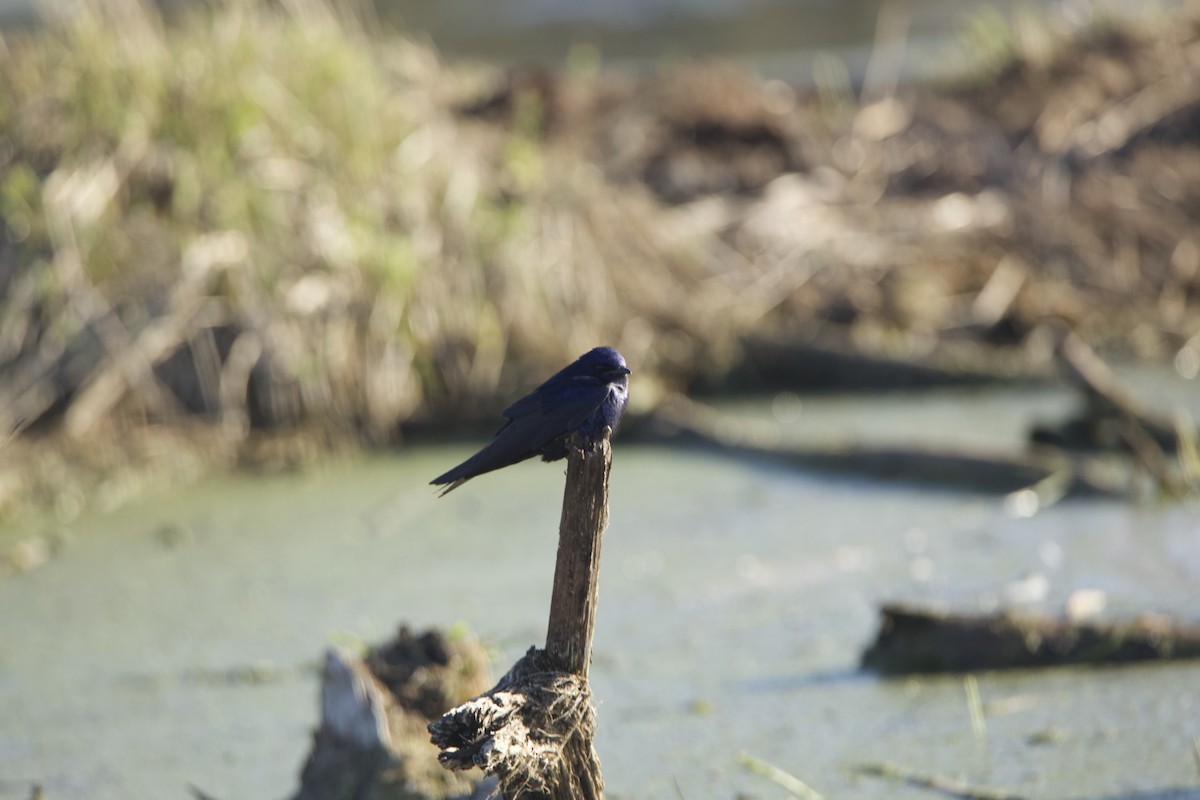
535,729
1049,476
918,640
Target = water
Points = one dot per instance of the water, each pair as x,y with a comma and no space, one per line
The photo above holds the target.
787,39
174,641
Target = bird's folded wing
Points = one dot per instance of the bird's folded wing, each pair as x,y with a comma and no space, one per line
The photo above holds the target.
534,422
568,407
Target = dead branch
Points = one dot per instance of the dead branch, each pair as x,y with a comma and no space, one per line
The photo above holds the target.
1113,415
1107,395
952,787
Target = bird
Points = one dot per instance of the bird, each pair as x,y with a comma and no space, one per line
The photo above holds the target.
585,397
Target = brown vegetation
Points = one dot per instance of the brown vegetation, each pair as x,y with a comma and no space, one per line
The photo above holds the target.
268,221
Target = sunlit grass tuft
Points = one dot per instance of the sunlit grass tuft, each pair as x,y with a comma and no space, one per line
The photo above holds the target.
283,219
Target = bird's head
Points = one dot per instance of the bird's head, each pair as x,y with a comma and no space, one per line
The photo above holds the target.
603,365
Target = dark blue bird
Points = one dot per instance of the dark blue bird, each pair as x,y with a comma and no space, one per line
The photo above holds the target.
585,397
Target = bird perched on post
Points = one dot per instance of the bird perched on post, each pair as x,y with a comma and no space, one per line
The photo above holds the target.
584,397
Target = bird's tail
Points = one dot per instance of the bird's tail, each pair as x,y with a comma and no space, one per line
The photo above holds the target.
447,488
491,457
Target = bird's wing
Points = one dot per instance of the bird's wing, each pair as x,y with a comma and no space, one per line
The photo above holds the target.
561,415
533,422
567,405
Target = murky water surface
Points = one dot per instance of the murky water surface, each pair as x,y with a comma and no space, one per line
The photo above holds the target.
174,641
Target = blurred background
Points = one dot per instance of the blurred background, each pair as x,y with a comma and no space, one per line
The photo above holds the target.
911,295
780,38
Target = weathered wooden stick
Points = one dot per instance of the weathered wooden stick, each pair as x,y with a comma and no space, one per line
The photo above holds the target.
938,783
534,730
778,776
577,570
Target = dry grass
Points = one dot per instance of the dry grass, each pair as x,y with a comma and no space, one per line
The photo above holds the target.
267,217
272,218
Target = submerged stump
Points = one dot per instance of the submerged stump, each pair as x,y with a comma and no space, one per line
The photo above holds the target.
370,744
535,729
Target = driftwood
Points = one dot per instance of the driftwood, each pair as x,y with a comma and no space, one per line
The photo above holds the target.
534,730
371,744
914,640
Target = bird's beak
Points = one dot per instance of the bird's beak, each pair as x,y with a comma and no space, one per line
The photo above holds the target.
622,371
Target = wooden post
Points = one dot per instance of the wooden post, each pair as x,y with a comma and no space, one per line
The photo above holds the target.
577,570
534,729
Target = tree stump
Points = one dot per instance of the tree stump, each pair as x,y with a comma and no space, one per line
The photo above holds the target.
534,730
374,710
